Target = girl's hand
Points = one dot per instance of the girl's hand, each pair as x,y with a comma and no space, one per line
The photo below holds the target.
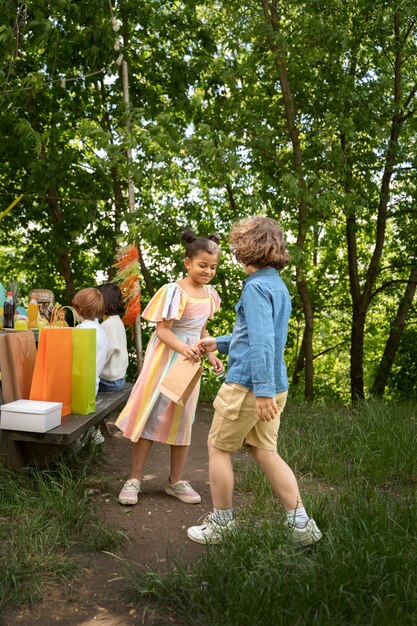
207,344
215,362
192,352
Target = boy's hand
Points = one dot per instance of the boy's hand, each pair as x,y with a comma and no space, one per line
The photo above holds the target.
207,344
216,364
266,408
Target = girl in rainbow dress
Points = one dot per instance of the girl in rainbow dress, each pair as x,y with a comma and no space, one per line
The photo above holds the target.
180,311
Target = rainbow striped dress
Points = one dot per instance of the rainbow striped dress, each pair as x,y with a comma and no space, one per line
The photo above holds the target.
149,414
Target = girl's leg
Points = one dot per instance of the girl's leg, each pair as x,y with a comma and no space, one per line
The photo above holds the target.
179,455
131,488
140,453
176,486
281,477
221,478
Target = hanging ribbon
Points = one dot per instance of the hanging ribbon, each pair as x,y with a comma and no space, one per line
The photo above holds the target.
10,207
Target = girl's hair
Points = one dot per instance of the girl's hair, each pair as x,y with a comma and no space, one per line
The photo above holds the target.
89,303
194,244
259,241
113,299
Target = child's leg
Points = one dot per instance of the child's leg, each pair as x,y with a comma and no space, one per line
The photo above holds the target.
221,478
140,453
221,520
131,488
179,455
281,477
176,486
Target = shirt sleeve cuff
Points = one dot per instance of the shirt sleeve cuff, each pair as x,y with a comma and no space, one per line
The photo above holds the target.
223,343
265,390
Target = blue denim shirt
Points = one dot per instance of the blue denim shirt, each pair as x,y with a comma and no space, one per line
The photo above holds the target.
257,343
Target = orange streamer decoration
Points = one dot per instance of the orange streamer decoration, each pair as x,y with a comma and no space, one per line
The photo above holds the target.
127,275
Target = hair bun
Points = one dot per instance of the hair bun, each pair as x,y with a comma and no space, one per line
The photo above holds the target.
214,237
188,236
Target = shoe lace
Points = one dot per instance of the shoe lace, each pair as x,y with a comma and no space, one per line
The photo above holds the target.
182,484
132,483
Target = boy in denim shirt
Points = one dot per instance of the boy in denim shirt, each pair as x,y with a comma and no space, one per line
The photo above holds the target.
249,404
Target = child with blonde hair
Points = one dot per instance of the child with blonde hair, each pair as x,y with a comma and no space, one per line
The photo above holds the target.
89,304
249,404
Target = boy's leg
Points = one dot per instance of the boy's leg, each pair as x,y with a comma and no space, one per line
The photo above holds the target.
230,424
281,477
221,519
221,478
302,529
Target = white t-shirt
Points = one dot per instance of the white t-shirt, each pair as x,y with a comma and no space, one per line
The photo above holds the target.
117,356
102,346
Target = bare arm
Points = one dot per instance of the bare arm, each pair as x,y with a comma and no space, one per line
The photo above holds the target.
214,361
165,334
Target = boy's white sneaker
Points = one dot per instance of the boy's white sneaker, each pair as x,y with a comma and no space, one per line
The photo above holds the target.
183,491
130,491
305,536
210,531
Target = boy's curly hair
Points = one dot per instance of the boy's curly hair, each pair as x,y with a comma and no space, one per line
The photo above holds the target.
259,241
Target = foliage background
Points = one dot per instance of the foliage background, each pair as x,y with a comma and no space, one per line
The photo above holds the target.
303,111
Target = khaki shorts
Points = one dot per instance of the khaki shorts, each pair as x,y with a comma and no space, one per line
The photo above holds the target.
236,423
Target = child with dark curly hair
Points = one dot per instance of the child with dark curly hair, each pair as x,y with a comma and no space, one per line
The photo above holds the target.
249,404
113,375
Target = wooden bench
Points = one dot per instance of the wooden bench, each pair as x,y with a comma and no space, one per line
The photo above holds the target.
20,448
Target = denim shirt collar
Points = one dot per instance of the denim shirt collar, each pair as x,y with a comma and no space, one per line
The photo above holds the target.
264,271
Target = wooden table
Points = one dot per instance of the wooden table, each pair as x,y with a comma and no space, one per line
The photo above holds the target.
20,448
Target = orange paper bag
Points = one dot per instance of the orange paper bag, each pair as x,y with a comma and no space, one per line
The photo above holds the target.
52,376
180,380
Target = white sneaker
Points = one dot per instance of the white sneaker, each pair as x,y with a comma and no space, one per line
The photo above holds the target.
305,536
183,491
210,531
130,491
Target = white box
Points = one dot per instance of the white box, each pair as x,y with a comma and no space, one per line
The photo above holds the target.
32,416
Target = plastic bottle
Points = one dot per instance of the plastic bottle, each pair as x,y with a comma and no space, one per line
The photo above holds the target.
8,311
33,312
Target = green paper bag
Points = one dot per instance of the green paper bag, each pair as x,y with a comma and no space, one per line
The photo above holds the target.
83,370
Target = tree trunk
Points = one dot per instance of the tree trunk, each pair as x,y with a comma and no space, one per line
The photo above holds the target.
271,17
62,254
362,300
119,201
299,364
394,338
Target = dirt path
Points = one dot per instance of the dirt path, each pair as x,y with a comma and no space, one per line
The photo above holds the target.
155,528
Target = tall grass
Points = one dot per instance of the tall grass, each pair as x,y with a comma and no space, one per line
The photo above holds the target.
361,465
44,515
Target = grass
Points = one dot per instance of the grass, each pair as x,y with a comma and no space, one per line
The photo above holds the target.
360,467
46,516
